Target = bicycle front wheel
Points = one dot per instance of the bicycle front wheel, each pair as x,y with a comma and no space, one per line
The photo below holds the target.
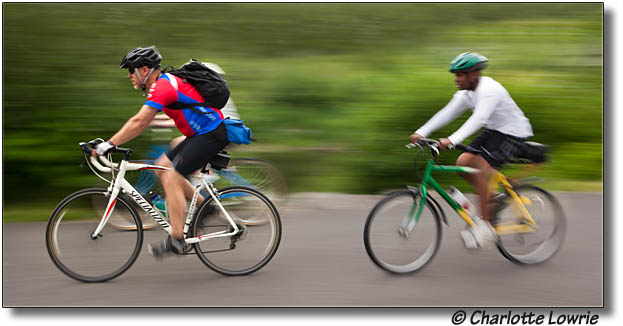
542,243
71,245
392,251
248,250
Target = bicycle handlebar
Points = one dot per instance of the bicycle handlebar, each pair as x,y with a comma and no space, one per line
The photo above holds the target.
88,148
459,147
434,145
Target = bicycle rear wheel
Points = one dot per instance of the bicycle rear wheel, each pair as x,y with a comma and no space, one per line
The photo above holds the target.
255,173
391,251
249,250
531,247
76,253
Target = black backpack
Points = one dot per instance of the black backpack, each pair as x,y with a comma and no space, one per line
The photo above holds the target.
212,87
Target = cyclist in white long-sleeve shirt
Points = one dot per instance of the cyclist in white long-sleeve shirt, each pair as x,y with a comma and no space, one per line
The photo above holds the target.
506,128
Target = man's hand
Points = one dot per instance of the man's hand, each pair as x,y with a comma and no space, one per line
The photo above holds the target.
103,148
444,143
415,137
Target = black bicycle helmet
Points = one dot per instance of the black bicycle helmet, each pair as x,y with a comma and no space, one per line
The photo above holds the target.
141,56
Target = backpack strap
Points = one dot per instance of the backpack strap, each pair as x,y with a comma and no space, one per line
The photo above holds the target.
180,105
172,80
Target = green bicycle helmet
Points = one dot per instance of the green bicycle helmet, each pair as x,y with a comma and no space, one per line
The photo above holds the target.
468,61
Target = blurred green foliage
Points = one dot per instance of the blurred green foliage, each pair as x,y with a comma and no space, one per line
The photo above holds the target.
331,91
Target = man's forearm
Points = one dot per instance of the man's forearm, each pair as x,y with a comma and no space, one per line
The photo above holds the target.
130,130
453,109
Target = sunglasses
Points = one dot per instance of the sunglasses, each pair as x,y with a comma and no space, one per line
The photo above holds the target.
131,70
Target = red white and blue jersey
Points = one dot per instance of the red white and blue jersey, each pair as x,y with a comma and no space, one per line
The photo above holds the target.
169,89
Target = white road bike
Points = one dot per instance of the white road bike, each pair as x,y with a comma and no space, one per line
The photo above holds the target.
248,172
83,245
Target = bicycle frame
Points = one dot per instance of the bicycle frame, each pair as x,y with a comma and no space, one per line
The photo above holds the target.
519,207
120,184
146,181
497,178
411,220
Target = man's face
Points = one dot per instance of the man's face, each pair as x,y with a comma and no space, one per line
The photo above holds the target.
133,75
465,80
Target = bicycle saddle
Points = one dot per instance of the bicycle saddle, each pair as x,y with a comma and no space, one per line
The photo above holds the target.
532,152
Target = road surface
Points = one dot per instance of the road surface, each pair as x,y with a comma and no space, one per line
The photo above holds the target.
322,263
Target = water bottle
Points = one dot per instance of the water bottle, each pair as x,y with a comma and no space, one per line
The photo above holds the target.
160,204
461,200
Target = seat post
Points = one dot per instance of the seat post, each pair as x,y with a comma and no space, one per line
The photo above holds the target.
205,169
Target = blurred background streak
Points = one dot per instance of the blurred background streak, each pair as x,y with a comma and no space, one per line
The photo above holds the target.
331,91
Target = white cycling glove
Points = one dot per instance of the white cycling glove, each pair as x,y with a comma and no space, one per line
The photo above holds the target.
104,148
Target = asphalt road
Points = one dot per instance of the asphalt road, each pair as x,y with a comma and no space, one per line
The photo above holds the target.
322,263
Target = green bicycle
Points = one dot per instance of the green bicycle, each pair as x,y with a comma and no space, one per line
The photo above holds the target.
403,231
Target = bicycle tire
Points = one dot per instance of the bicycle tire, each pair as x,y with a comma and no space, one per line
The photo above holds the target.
252,250
69,242
534,247
391,251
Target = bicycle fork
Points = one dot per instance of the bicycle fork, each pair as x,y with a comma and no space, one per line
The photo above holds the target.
409,221
114,192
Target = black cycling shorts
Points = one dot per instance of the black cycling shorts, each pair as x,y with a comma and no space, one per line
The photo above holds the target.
495,147
195,152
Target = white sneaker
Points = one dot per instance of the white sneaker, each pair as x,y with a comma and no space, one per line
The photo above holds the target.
481,236
469,238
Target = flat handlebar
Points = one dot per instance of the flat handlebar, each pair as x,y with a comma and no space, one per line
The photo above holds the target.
434,145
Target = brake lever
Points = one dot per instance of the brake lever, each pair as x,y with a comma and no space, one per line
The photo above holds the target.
435,149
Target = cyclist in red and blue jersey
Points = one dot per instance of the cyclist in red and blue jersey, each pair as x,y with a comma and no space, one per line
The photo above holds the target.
205,135
170,89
